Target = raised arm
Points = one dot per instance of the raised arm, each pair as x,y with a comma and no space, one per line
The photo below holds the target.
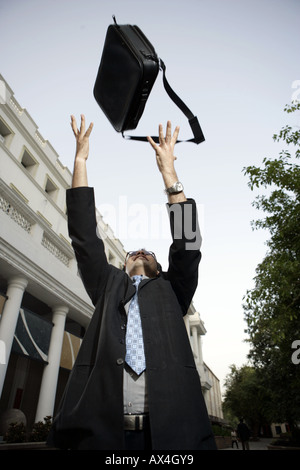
82,152
184,253
88,247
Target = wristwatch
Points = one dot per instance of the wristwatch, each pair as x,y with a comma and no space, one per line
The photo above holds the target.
175,188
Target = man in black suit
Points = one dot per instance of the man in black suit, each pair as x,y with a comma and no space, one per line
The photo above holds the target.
108,404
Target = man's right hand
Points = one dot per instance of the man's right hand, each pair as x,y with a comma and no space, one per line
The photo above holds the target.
82,138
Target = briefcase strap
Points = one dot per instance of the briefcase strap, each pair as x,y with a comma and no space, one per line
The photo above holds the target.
193,120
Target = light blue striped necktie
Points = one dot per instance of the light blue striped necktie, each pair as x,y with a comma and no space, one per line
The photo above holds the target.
135,356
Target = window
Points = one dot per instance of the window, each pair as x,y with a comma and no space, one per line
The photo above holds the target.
29,162
6,133
50,188
111,257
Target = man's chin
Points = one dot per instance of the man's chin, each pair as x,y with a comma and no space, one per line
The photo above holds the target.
140,258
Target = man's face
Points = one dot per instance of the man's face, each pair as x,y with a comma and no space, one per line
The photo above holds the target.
141,262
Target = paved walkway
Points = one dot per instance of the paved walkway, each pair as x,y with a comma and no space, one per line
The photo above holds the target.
254,445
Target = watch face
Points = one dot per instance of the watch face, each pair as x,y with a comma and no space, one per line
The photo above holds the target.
178,187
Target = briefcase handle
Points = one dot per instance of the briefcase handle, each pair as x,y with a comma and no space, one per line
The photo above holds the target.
193,120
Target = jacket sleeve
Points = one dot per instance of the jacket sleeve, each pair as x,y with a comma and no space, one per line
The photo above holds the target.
184,253
88,246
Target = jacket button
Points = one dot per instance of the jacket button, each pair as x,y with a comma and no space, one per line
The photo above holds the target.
120,361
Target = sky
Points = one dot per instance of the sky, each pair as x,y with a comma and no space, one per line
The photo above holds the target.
235,63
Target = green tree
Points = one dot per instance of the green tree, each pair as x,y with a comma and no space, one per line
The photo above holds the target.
272,307
246,397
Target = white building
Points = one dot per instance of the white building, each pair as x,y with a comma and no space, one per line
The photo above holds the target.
43,305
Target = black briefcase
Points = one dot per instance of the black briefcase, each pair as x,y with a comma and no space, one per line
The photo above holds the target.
128,69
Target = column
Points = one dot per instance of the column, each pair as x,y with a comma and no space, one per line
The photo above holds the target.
200,349
195,343
46,401
10,314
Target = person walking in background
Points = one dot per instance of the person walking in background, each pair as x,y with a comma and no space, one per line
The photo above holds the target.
243,433
234,439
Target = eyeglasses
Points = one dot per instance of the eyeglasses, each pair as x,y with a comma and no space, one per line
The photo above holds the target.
136,252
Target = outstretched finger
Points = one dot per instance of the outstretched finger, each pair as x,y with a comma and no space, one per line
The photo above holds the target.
74,125
168,132
161,134
152,143
82,125
88,132
175,135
